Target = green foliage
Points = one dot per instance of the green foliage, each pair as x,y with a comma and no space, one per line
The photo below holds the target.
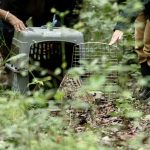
35,122
97,17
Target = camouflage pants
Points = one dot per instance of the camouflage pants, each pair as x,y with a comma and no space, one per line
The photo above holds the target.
142,38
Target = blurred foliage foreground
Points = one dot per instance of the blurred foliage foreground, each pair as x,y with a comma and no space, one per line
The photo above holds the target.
37,123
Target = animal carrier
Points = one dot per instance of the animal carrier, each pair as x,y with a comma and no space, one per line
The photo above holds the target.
105,58
45,46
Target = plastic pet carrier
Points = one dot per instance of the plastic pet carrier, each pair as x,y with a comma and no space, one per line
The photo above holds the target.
46,48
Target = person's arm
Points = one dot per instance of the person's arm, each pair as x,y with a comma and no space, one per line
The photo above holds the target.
13,20
117,35
127,16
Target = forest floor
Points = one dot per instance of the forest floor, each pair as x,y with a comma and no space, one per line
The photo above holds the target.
120,128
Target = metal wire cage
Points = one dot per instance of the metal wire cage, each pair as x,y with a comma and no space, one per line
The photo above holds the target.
105,58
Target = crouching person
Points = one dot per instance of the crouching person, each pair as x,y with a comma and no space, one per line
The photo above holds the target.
141,19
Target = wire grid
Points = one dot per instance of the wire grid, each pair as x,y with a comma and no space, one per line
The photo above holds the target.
44,50
108,59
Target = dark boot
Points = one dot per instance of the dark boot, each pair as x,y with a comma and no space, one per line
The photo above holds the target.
144,94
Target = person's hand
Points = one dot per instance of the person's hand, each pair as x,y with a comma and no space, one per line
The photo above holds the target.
117,35
15,22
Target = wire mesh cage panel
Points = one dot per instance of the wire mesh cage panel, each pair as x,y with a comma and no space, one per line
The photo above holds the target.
48,48
105,58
